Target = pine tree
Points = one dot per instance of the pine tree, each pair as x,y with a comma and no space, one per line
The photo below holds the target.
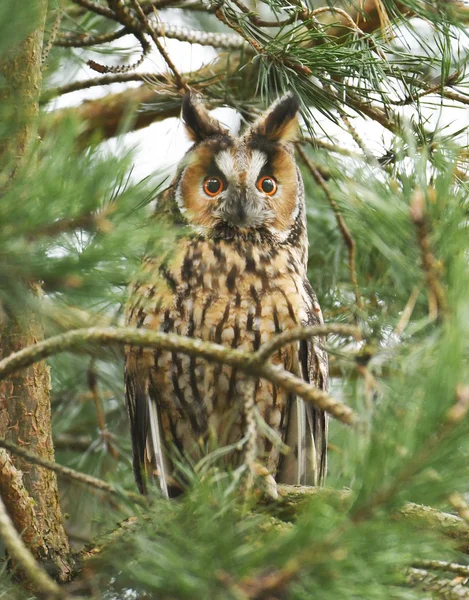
383,93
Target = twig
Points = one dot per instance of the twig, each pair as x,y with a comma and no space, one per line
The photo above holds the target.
80,338
407,312
258,22
257,47
105,80
67,472
20,553
347,236
53,36
180,82
417,214
98,402
330,147
100,68
357,139
66,441
302,333
96,8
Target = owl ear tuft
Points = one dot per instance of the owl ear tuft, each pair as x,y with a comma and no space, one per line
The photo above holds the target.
199,124
280,122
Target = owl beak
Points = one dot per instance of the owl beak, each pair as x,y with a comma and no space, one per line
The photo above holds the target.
234,211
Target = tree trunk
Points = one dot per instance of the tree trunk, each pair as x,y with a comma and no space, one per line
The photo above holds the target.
25,416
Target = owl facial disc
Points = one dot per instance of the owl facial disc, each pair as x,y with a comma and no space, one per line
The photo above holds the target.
241,183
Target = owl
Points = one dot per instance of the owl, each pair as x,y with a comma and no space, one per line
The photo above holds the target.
236,276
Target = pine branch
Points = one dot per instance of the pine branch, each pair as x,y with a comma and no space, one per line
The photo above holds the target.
102,118
68,473
454,416
193,347
442,588
437,297
345,231
442,565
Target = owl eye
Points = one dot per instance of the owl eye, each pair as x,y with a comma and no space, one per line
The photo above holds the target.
213,186
268,185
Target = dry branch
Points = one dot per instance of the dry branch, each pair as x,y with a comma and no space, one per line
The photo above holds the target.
437,297
67,472
81,338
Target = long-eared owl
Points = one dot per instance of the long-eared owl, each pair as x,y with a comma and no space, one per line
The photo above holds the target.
235,276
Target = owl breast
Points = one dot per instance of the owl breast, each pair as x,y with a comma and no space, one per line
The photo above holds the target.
232,293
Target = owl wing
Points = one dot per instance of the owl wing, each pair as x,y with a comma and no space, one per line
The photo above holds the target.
315,370
307,425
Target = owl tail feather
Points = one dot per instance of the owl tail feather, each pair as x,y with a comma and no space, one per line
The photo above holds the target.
155,446
299,467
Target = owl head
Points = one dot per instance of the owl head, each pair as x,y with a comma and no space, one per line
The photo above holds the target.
235,186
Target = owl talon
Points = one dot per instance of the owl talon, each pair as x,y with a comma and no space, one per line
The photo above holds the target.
264,481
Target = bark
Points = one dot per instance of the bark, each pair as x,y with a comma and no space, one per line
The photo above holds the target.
25,417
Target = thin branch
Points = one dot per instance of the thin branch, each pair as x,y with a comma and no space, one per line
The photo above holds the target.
76,40
257,47
302,333
147,27
66,441
52,37
100,68
22,556
435,289
358,140
177,32
98,402
80,338
347,236
258,22
96,8
407,312
85,84
67,472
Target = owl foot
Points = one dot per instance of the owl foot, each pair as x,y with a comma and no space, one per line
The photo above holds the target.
264,481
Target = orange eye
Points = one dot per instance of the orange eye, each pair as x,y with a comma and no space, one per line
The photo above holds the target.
213,186
268,185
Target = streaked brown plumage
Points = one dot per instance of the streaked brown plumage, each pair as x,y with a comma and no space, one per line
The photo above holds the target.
236,276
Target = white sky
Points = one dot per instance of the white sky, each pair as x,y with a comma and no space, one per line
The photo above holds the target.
160,146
